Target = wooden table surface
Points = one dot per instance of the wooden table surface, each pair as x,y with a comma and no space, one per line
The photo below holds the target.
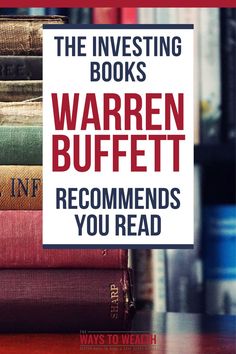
171,333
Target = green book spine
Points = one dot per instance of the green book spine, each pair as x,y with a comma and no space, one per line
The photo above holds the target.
20,145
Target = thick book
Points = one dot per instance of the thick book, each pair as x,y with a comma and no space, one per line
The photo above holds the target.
106,15
20,187
21,247
22,35
20,113
228,72
20,67
17,91
60,300
20,145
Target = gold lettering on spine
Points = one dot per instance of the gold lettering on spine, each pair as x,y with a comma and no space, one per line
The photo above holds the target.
114,297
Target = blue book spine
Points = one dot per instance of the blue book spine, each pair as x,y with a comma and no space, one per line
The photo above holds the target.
219,234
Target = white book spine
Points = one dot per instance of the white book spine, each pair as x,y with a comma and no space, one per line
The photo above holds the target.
146,15
210,72
159,280
167,15
192,16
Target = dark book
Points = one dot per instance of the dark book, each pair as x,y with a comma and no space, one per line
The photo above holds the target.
65,300
143,277
228,72
184,267
20,145
81,15
22,35
21,246
20,68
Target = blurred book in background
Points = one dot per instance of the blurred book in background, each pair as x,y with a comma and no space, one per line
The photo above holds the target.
184,267
219,239
172,280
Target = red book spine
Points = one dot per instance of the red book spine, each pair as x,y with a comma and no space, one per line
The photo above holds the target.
59,300
21,246
106,15
128,15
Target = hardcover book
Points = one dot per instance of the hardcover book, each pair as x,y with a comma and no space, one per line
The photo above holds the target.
21,247
22,35
20,67
106,15
13,91
64,300
20,187
20,113
20,145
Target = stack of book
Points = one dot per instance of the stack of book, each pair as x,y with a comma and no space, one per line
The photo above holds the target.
43,290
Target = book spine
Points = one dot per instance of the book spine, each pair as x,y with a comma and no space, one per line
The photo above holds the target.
20,145
228,72
81,15
60,11
18,37
106,15
128,15
15,91
167,15
20,68
20,187
143,276
219,225
146,15
159,280
192,16
210,100
21,246
20,113
184,267
37,11
64,300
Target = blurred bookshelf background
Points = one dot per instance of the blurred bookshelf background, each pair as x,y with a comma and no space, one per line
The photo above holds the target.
202,280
